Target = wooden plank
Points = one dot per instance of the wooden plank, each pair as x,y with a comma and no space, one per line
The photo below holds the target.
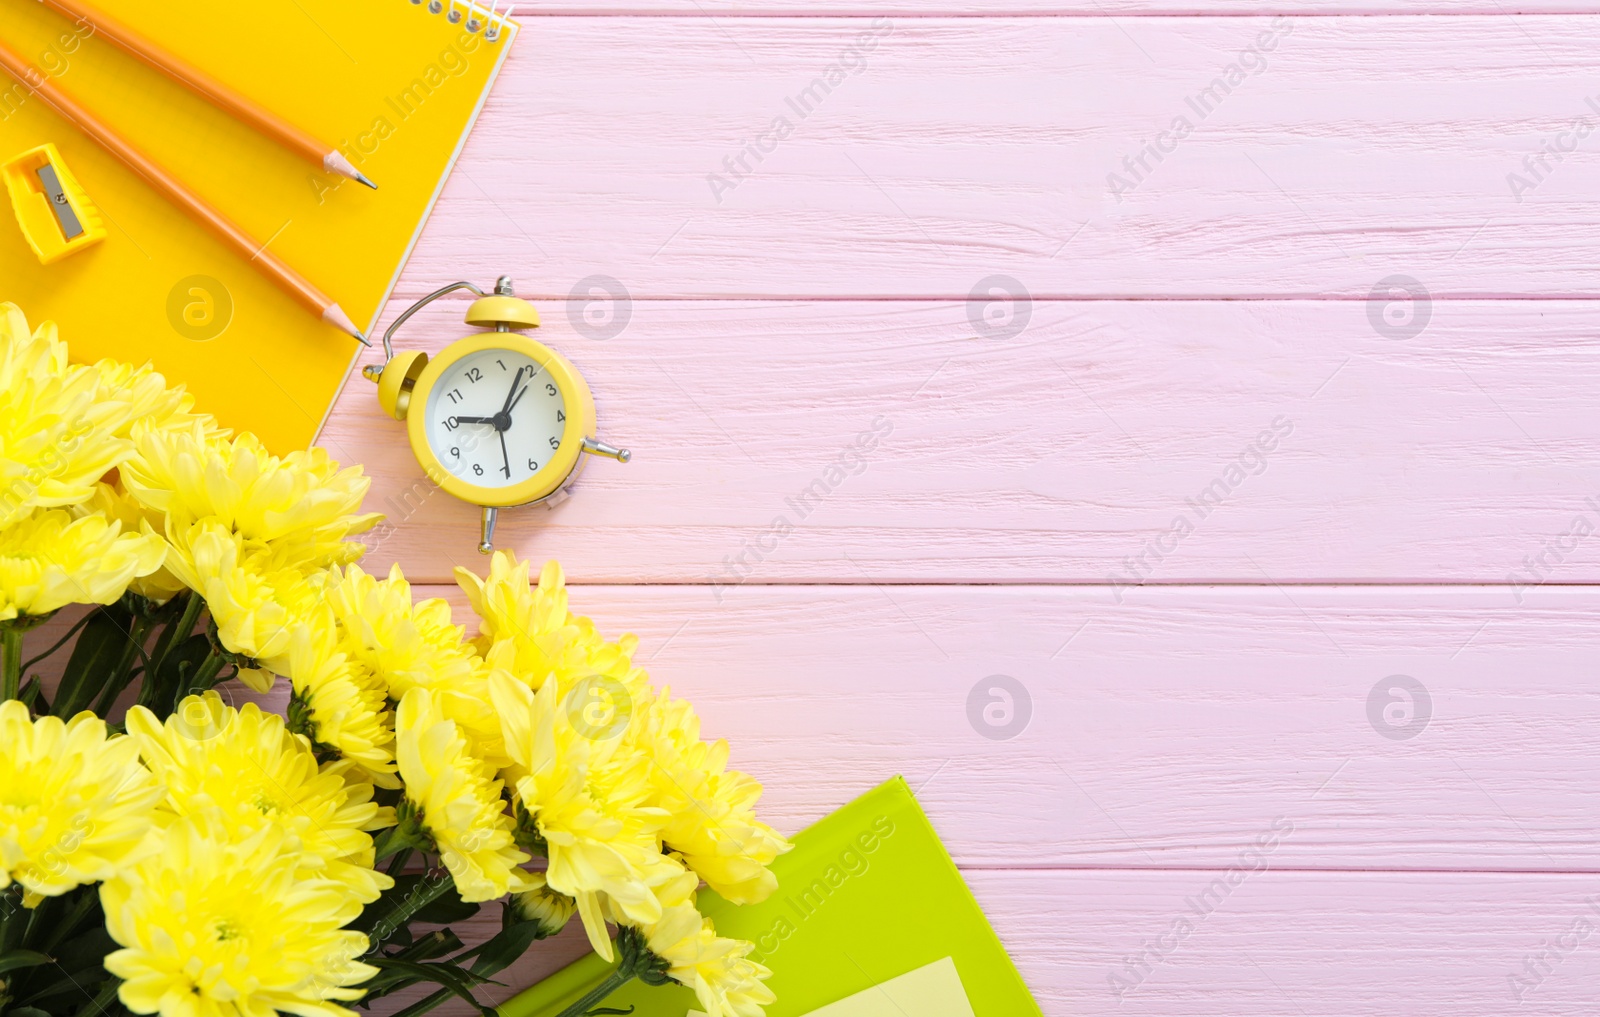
1164,731
1072,452
1295,942
954,149
1312,943
1057,8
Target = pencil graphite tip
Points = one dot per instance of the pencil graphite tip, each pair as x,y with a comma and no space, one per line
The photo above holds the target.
335,162
335,316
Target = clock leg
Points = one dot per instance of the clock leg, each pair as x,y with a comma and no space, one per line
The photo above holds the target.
600,448
486,545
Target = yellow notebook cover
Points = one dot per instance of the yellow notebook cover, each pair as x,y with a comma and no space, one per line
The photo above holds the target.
392,86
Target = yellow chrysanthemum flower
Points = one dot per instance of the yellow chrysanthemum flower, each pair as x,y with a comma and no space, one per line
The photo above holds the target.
255,600
150,402
719,970
408,647
248,767
50,559
458,800
75,805
111,500
302,505
57,427
529,631
712,820
337,704
213,927
588,792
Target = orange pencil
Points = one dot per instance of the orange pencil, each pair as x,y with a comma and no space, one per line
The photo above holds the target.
204,85
174,191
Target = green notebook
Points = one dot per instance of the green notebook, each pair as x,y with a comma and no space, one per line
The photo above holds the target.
866,895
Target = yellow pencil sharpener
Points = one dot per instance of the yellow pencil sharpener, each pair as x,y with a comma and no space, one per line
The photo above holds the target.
55,213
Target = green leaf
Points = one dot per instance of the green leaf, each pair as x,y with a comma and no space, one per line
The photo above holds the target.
96,660
78,968
387,904
27,1011
425,1005
446,976
59,918
431,945
86,951
177,672
18,959
447,909
503,950
68,988
32,695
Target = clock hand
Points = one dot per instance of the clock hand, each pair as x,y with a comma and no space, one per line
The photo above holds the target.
474,420
512,405
504,454
515,381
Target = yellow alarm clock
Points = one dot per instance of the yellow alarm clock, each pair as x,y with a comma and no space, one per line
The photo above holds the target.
495,418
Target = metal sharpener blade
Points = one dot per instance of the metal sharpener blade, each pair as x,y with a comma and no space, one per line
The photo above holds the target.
66,215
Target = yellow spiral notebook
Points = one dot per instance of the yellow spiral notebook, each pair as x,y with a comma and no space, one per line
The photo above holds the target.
394,85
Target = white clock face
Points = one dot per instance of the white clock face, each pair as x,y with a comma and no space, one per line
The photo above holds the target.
495,417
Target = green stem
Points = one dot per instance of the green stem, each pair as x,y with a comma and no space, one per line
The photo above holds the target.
138,632
205,677
614,981
397,864
11,646
175,633
407,834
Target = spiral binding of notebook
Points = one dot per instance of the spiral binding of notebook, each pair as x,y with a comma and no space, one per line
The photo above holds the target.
491,21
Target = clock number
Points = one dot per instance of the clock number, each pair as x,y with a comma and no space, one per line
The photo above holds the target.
454,394
474,375
533,467
451,423
561,417
549,388
477,469
502,363
555,442
455,451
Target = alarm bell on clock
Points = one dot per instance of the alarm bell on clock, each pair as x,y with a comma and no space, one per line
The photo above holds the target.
495,418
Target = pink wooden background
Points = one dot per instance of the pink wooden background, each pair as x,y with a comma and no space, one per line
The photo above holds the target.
1429,508
1424,511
